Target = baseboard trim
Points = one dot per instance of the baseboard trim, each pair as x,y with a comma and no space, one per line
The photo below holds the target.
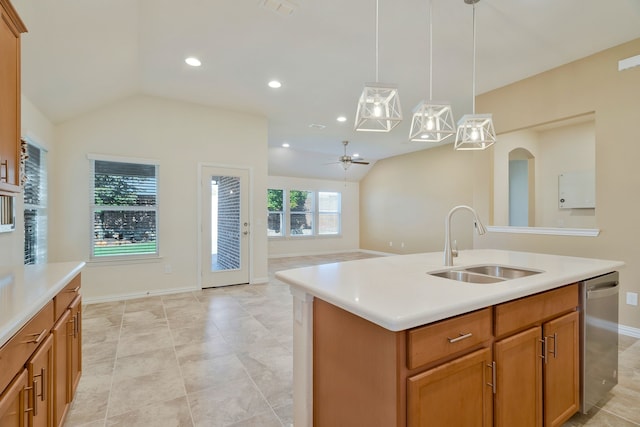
149,293
629,331
259,280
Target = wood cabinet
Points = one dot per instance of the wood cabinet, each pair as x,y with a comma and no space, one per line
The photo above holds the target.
42,363
538,368
12,402
40,369
75,349
513,364
457,393
10,28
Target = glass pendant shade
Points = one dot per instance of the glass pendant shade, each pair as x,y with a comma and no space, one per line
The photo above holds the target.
432,122
475,132
378,108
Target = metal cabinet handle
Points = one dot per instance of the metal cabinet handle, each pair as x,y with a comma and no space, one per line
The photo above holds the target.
74,290
43,384
544,349
460,338
555,344
32,390
37,337
492,384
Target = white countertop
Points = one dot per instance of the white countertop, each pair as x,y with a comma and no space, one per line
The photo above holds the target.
396,292
24,290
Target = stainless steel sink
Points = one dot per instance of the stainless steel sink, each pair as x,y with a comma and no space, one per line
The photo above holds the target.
501,271
484,273
465,276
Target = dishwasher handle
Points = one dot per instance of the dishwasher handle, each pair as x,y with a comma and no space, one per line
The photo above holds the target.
603,291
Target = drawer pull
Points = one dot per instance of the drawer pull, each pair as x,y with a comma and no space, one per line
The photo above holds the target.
74,290
37,337
460,338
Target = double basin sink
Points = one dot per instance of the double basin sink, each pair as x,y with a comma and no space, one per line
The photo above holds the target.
485,273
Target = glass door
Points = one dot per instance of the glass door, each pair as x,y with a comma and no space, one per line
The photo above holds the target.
225,226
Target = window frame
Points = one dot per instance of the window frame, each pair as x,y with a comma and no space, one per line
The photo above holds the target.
282,212
315,212
93,208
41,209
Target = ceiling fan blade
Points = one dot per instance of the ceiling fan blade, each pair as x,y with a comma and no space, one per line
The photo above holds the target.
359,162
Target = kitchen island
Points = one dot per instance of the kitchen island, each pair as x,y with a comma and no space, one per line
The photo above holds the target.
370,317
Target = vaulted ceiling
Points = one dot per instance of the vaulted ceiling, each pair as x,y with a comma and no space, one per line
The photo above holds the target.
81,54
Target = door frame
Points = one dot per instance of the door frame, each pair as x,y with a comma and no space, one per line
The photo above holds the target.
200,219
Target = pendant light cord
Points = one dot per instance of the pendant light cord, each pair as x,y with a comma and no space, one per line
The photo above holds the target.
473,84
430,50
377,40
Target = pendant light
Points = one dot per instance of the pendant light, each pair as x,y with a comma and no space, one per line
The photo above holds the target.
432,121
379,105
475,131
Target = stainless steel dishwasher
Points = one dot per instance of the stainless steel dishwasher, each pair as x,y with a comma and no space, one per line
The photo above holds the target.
599,338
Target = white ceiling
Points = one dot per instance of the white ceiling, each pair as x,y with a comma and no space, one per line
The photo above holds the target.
81,54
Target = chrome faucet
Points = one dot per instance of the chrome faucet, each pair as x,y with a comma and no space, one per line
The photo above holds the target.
450,253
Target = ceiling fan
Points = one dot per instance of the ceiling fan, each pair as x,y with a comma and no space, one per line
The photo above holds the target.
347,161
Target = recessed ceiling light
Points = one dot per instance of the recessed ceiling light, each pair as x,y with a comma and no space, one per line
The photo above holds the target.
286,145
342,119
316,126
274,84
193,61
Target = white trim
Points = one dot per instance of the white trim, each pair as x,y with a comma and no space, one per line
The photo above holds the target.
555,231
149,293
122,159
629,331
259,280
120,260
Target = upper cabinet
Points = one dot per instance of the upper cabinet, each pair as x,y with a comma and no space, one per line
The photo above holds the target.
11,26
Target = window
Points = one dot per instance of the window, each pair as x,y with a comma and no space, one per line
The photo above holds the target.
275,214
124,211
35,206
304,219
328,213
301,212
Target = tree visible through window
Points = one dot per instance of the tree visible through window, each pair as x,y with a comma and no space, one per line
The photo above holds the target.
275,218
124,210
301,212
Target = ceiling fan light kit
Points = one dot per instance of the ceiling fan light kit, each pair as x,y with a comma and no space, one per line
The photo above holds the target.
475,131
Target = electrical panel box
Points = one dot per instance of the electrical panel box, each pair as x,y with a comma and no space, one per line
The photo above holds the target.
577,190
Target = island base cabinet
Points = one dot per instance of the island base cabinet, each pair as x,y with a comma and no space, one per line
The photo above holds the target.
457,393
561,369
518,399
13,402
40,368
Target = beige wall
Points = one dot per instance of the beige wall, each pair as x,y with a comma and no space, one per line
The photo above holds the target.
405,199
590,84
180,136
567,148
347,241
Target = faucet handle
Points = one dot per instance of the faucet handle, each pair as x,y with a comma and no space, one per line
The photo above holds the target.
454,248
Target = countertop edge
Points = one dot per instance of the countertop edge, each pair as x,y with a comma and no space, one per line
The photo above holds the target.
9,329
396,324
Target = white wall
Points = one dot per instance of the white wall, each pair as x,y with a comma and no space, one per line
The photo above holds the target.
348,241
39,129
179,135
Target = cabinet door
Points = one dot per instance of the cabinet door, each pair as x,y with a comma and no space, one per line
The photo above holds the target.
561,369
62,339
40,368
518,399
12,402
75,366
9,101
457,393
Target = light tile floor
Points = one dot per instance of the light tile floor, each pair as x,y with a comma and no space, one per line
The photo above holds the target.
223,357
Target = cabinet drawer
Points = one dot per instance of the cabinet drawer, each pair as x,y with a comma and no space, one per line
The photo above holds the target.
432,342
20,347
66,295
516,315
